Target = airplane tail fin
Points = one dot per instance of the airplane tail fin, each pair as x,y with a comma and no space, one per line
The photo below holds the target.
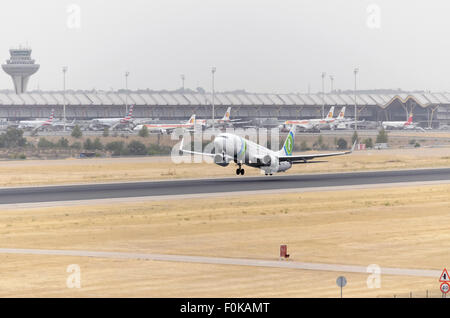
410,119
226,117
342,113
191,120
130,113
330,113
288,146
52,116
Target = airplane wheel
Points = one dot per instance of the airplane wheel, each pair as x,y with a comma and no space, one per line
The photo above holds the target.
242,172
238,171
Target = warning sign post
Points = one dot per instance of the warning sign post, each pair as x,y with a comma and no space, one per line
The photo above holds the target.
444,277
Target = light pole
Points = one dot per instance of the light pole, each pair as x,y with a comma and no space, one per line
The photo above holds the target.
355,71
126,88
182,81
323,94
213,70
331,80
64,70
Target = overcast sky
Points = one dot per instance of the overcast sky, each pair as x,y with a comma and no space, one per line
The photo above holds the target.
260,45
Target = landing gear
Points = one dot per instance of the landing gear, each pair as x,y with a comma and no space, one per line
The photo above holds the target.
240,171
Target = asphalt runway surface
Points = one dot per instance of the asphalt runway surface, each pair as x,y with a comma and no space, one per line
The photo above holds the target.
217,185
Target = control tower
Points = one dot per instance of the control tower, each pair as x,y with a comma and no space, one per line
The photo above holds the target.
20,67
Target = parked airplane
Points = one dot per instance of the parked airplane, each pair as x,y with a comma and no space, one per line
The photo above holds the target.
230,147
341,122
312,124
60,124
36,124
399,124
111,123
222,122
167,128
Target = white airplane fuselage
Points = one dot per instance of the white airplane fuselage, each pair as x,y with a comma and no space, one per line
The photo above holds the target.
107,122
33,124
163,128
246,152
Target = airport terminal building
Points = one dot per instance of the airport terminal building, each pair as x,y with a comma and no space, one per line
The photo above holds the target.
429,109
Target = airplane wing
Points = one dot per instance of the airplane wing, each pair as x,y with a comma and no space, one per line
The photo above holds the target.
304,158
183,151
35,129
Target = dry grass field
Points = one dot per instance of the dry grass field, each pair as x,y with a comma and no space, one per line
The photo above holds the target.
404,227
40,172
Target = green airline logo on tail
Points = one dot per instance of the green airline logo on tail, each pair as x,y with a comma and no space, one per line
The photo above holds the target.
289,144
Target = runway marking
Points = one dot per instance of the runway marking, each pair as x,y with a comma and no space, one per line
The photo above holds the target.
36,205
226,261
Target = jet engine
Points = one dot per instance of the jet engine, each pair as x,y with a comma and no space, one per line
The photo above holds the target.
220,160
273,165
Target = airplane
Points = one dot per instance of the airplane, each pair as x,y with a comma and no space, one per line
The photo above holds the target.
222,122
111,123
312,124
224,119
59,124
399,124
341,122
36,124
167,128
230,147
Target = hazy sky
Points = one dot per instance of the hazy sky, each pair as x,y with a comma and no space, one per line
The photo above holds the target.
261,46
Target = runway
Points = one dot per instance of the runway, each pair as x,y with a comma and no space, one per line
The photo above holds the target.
227,261
233,184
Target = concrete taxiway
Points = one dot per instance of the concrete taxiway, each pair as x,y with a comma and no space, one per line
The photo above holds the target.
227,261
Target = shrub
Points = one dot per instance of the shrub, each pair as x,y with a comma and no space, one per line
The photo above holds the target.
115,147
155,149
97,145
143,132
76,132
62,143
44,143
368,142
319,143
76,145
136,148
88,144
382,136
341,144
106,132
12,138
